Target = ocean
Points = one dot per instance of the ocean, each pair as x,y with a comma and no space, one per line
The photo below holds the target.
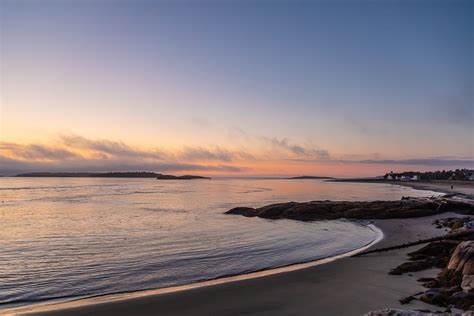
69,238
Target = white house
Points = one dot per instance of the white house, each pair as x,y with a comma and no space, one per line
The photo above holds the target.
415,178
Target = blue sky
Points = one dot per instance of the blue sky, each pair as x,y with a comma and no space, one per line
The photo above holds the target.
363,80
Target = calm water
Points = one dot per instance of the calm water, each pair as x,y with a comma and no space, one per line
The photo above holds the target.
69,238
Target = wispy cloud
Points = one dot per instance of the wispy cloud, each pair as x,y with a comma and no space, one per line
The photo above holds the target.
13,166
203,154
299,150
108,148
36,152
77,153
436,162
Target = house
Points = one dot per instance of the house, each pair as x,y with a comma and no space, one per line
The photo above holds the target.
389,176
415,178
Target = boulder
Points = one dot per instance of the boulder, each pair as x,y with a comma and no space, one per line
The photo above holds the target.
433,296
462,261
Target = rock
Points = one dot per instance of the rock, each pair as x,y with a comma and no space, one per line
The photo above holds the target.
429,282
326,210
274,210
407,300
424,280
411,266
462,261
467,283
400,312
244,211
462,295
435,254
441,248
451,290
433,296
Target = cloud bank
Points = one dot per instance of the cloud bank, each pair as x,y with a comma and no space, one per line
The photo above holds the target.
77,153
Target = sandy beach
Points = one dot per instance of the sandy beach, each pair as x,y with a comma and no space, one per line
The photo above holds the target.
464,187
348,286
442,186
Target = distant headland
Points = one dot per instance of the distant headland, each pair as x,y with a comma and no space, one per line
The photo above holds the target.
142,174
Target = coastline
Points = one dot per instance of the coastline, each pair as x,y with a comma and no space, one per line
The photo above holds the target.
460,187
299,290
362,281
51,306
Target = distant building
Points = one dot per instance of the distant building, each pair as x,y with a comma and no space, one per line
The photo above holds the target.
405,178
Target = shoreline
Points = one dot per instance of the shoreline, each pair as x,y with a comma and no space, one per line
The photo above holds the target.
365,279
58,304
167,300
459,187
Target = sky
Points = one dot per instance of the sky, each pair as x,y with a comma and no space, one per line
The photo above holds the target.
333,88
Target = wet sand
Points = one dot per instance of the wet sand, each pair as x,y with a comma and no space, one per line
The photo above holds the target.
348,286
441,186
463,187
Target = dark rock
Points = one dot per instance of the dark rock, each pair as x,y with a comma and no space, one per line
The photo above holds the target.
451,290
326,210
411,266
407,300
244,211
462,295
434,296
441,248
431,284
274,210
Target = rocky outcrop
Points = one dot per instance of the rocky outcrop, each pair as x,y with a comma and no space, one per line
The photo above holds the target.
454,285
326,210
462,262
433,255
400,312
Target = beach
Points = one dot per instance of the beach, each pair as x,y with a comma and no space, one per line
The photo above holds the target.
236,157
347,286
442,186
463,187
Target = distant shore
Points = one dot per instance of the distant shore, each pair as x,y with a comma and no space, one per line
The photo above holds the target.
442,186
158,176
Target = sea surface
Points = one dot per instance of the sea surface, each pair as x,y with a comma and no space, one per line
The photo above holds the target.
67,238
